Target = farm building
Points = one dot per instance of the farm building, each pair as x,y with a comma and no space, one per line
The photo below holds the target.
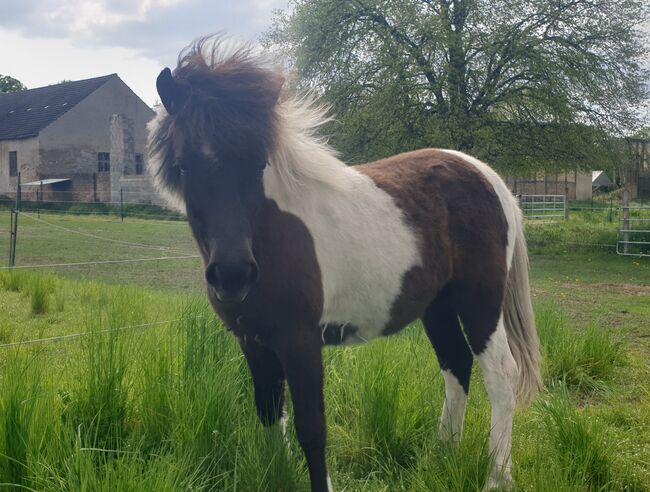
600,181
76,141
576,185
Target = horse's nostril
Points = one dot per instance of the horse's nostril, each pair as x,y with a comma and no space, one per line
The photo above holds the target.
232,278
211,275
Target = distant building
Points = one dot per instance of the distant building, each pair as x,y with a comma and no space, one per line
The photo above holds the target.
575,185
600,181
84,140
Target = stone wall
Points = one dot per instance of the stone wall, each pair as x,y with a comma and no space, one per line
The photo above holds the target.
28,161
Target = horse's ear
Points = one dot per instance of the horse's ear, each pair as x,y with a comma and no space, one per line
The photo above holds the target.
172,94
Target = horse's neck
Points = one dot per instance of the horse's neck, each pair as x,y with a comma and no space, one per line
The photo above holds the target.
304,169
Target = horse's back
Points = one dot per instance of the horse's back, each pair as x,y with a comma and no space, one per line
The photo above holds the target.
461,210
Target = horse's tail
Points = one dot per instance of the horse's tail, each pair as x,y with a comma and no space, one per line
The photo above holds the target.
519,320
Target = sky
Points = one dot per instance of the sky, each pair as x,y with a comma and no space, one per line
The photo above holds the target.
43,42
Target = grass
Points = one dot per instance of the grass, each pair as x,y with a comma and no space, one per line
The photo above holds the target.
584,363
168,405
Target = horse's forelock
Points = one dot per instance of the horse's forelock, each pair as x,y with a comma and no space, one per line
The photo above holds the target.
233,93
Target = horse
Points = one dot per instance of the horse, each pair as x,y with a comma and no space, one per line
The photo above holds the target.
301,250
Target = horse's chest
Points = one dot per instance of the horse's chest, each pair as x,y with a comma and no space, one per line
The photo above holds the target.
363,247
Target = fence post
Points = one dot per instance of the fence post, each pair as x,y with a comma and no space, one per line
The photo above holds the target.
611,209
626,218
566,196
121,204
11,237
14,225
38,210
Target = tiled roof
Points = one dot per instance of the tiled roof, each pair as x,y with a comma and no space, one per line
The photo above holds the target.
24,114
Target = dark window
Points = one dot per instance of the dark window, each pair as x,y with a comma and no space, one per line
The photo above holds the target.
139,165
103,162
13,163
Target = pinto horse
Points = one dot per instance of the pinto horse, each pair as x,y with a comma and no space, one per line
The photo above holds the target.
301,250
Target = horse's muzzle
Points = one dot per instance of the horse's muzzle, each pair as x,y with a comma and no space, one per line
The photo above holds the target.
231,281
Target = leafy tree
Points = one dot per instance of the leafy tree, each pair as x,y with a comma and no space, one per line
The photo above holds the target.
9,84
521,83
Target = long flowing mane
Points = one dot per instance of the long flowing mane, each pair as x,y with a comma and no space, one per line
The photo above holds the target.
237,106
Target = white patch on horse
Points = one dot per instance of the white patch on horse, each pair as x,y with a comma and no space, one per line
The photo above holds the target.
284,422
156,160
363,243
500,375
508,201
453,410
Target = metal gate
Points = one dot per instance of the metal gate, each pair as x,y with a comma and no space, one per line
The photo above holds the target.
633,234
543,207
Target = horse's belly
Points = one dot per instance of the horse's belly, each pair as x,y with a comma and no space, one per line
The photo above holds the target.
360,310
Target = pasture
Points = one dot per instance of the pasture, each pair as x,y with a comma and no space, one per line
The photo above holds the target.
154,395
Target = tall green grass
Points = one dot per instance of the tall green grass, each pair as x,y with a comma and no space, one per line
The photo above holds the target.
43,289
169,407
584,361
582,449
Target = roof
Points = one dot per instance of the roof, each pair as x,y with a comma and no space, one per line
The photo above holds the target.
24,114
599,178
46,182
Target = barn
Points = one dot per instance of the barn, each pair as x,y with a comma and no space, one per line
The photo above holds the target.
81,140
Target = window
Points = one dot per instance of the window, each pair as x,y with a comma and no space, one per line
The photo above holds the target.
13,163
103,162
139,164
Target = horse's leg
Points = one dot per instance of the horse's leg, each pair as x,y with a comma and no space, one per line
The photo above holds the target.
303,365
268,381
455,359
480,313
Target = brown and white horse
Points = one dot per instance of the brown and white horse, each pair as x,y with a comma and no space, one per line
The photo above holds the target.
301,250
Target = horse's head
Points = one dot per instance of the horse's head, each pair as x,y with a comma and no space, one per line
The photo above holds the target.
209,148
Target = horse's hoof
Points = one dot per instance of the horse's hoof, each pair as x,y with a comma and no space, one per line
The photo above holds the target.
500,481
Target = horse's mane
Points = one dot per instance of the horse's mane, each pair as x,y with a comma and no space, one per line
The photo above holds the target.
236,103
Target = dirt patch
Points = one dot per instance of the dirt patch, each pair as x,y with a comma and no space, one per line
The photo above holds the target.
630,289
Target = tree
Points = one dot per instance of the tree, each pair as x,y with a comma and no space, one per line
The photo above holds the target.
516,82
9,84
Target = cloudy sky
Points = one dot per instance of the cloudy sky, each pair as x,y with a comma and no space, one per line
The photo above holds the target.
45,41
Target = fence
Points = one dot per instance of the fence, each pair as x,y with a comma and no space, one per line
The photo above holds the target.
46,226
546,207
633,233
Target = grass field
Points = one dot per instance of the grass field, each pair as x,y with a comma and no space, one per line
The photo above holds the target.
166,404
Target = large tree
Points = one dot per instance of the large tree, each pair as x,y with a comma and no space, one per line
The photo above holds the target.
9,84
520,82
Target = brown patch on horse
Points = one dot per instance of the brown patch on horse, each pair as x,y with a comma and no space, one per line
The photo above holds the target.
460,221
288,293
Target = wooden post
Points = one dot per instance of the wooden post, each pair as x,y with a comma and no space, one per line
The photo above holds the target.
121,204
566,196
